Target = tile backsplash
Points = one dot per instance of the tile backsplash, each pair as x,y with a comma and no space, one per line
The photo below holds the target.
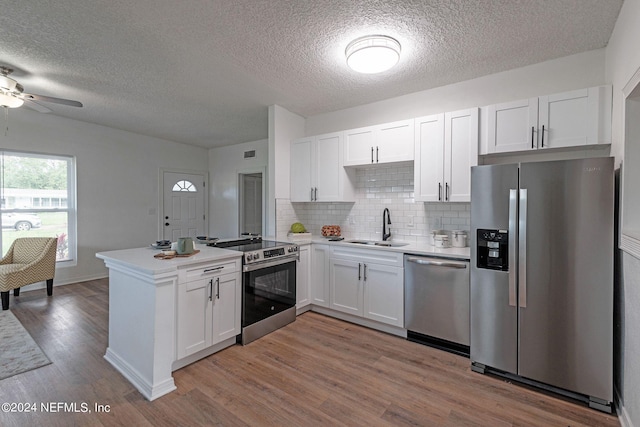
378,187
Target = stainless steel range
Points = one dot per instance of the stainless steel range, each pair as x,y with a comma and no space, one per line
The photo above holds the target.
269,284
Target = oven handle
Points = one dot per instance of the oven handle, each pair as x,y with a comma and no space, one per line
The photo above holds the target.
266,264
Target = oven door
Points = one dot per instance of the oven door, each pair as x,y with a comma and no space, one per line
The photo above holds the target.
269,288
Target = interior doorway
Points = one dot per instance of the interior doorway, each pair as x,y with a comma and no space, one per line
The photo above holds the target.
251,199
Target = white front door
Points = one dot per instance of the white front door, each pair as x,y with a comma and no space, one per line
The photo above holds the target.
183,205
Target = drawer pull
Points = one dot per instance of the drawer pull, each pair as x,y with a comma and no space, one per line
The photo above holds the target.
209,270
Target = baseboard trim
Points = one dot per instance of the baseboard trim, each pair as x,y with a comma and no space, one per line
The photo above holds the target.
372,324
69,281
148,390
623,415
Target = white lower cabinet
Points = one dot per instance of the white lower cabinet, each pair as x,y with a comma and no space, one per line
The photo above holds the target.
303,277
346,286
367,283
320,275
384,294
208,309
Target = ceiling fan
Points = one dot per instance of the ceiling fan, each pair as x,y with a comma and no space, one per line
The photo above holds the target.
12,95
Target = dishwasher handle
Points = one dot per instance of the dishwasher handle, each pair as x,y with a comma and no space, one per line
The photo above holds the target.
451,264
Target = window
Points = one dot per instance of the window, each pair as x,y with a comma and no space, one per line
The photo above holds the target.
184,186
37,195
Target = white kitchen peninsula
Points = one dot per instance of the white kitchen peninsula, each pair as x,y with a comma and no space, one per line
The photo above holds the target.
151,312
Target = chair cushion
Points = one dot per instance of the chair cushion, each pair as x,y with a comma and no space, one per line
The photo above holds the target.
10,276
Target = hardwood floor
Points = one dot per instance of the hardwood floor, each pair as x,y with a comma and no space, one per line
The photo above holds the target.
315,371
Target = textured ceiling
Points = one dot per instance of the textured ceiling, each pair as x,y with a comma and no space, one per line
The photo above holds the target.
203,72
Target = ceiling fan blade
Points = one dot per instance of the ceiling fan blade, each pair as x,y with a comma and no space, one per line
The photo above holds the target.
45,98
35,106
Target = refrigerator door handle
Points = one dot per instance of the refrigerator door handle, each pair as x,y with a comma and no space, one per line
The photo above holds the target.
513,226
522,250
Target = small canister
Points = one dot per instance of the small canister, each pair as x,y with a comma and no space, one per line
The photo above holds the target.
459,238
442,241
434,233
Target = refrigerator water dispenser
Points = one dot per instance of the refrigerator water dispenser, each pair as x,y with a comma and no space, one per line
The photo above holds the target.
493,249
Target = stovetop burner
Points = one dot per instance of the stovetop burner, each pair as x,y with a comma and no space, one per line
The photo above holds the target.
256,249
237,243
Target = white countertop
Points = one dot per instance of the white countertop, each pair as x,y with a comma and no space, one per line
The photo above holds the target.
142,258
411,248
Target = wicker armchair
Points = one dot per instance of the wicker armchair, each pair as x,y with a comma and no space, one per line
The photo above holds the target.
29,260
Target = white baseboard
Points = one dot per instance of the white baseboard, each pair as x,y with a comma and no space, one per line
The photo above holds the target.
623,415
70,281
146,388
393,330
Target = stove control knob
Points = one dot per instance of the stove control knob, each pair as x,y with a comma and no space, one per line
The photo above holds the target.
256,255
249,257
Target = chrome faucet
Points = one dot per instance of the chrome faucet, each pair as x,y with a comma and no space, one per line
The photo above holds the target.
386,222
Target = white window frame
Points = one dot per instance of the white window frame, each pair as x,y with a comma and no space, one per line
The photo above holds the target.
71,208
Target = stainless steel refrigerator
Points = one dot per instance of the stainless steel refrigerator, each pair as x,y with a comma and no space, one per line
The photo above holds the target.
541,297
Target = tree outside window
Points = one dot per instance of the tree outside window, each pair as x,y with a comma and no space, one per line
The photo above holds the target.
37,199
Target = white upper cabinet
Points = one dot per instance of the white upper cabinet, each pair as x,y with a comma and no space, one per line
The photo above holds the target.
570,119
359,146
512,126
429,162
317,174
386,143
446,146
395,142
301,159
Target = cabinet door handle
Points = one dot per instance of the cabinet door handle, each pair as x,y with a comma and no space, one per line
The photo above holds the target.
217,288
439,191
532,133
315,197
446,192
371,154
365,272
311,196
376,154
542,136
359,273
211,290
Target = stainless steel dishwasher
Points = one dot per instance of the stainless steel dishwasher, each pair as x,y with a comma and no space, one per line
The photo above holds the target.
436,302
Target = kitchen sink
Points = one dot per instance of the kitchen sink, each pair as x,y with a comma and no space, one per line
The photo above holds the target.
377,243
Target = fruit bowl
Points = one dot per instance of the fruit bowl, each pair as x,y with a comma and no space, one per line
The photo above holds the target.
331,230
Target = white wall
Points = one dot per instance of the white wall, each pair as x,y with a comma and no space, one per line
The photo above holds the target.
622,61
117,177
559,75
225,163
283,127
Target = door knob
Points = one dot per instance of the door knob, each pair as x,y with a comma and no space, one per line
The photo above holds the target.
166,217
166,223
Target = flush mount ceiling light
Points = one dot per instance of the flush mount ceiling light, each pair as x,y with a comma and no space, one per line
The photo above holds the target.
372,54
